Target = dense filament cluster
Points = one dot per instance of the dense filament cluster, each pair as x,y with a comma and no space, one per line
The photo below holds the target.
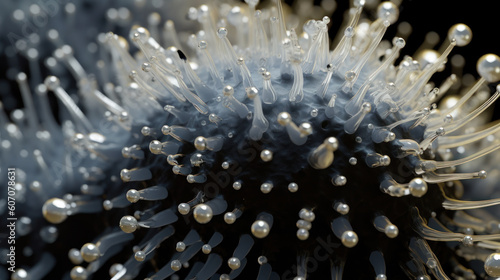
255,151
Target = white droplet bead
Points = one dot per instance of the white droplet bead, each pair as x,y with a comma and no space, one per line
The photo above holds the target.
234,263
140,256
180,246
302,234
78,273
175,265
349,239
260,229
461,33
492,265
90,252
133,196
418,187
74,256
266,155
293,187
206,249
128,224
229,218
183,208
388,11
202,213
391,231
237,185
488,66
55,210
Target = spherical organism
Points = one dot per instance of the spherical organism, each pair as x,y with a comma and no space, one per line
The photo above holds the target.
202,213
55,210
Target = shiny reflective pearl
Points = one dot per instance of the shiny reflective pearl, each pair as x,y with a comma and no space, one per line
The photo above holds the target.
266,155
266,187
349,239
200,143
140,33
225,165
426,57
418,187
222,32
391,231
229,218
228,91
155,147
303,224
237,185
388,11
107,205
468,240
90,252
55,210
483,174
353,161
20,274
302,234
492,265
461,33
114,269
128,224
52,82
175,265
307,215
78,273
133,196
125,174
206,249
75,256
234,263
180,246
293,187
284,118
260,229
331,143
252,92
183,208
488,66
140,256
202,213
343,209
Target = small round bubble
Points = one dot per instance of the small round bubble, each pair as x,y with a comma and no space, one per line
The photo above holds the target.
55,210
128,224
202,213
260,229
234,263
492,265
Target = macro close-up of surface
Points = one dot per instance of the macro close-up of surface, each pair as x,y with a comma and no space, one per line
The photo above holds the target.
221,139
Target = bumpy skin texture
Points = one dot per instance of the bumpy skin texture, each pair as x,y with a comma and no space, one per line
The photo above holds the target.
236,157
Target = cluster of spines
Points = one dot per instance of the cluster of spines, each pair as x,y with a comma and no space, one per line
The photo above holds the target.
172,72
